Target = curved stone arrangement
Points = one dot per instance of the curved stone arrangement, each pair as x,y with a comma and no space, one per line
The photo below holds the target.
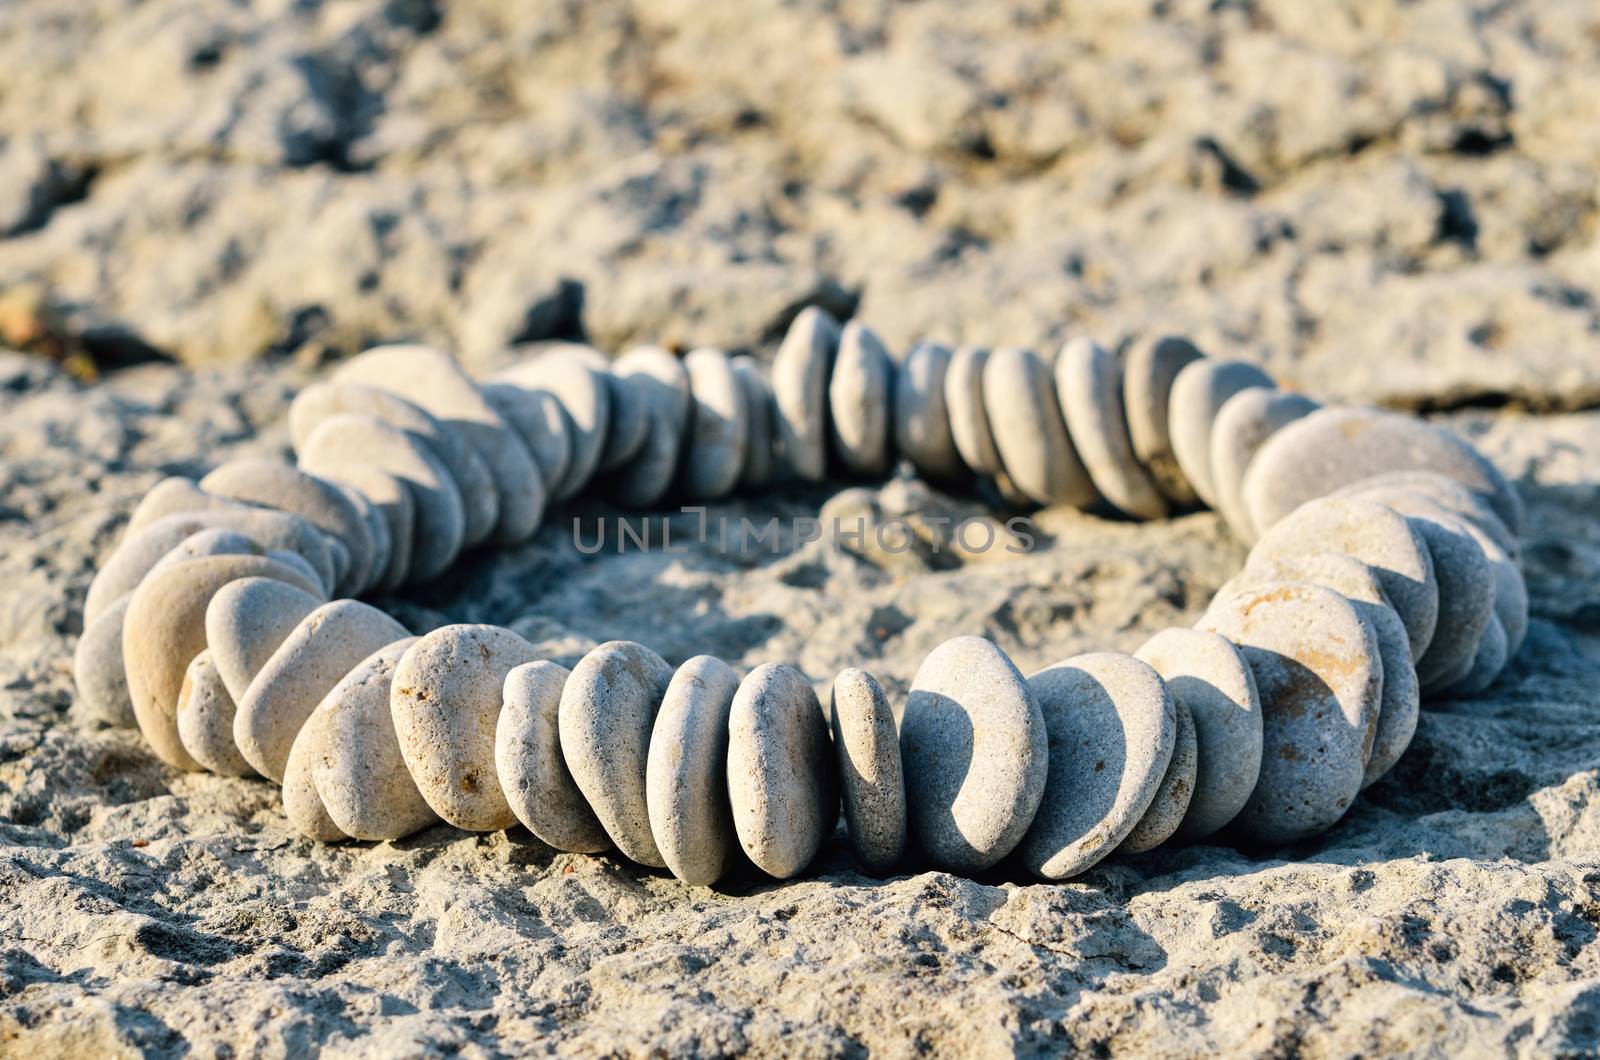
1384,569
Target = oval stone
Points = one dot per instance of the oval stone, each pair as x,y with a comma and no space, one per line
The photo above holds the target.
860,403
527,756
630,422
1089,390
445,698
1207,675
922,432
969,419
686,773
1113,727
758,469
1320,677
1466,599
974,754
1408,491
1198,394
1147,378
205,720
302,802
718,428
392,503
1160,822
608,709
800,372
1490,659
246,621
870,778
1029,433
1243,425
783,783
98,672
663,382
544,427
581,388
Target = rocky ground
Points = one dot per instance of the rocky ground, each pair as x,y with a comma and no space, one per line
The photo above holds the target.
1381,201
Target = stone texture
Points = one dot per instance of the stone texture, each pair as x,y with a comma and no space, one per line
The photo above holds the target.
1152,366
1167,810
246,621
205,720
758,455
861,403
969,419
686,773
799,379
664,385
870,778
584,392
527,757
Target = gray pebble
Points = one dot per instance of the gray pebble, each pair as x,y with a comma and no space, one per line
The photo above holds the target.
97,669
800,372
316,654
868,746
434,381
608,709
686,773
246,621
1243,425
445,698
1334,447
1089,390
1113,727
1147,379
1381,538
1167,810
1405,491
357,768
783,783
663,382
1466,599
922,431
630,422
1210,678
859,403
205,720
1029,433
969,419
1491,657
583,390
1358,583
275,484
165,629
345,441
1320,677
974,753
527,757
544,427
1198,394
480,500
718,428
758,456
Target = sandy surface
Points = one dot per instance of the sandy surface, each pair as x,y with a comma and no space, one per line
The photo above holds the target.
1380,201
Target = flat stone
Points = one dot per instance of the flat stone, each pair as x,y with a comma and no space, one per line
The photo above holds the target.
783,781
1381,538
922,432
608,709
1355,581
391,502
758,457
799,380
1147,378
527,757
141,551
1030,434
582,389
544,426
479,499
275,484
445,698
1198,394
686,773
346,441
1491,658
1207,675
1089,391
316,654
246,621
1404,491
969,419
1167,810
1243,425
1466,599
97,670
1334,447
357,768
663,382
718,428
974,753
860,403
434,381
1320,676
205,720
165,629
1113,727
870,778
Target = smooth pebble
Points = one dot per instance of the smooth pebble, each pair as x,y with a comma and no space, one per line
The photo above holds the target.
758,456
527,758
1020,397
98,672
1466,599
663,383
718,428
799,379
205,720
1198,394
922,431
870,778
1243,425
686,773
860,403
545,428
1147,378
246,621
1167,810
1089,391
584,392
969,419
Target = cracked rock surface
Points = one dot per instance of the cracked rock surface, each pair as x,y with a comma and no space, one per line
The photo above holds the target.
1377,200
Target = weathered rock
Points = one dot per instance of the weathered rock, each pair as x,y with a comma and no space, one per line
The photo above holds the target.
783,780
686,772
527,758
799,381
1198,394
1160,822
1020,397
861,403
205,720
1113,727
870,778
445,698
1089,391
